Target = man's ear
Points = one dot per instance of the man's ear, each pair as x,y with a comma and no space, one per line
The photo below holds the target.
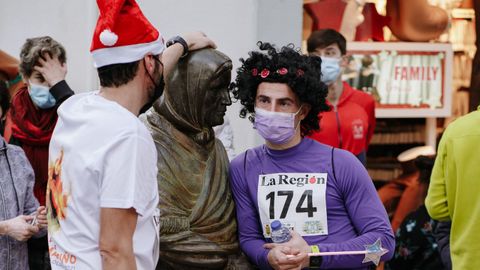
27,82
149,63
305,110
344,61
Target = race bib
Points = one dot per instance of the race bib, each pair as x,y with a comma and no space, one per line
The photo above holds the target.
298,200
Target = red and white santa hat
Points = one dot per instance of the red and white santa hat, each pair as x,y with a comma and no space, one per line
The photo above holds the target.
123,34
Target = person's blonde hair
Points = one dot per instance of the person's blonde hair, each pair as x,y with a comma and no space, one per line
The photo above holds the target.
34,48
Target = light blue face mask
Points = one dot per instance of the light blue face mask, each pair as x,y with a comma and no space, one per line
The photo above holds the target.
41,96
330,70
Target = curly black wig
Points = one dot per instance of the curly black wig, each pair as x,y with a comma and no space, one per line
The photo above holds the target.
300,72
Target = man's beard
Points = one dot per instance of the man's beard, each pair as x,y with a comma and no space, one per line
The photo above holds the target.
158,88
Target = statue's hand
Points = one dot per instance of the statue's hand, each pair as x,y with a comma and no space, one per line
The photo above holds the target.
198,40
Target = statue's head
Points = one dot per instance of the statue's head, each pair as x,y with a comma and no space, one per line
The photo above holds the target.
197,93
217,95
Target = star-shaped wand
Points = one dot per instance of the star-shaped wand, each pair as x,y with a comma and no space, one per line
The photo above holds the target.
372,252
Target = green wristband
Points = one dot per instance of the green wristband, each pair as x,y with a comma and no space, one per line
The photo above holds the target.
315,261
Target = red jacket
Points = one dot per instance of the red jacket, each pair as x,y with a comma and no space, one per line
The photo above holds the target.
350,124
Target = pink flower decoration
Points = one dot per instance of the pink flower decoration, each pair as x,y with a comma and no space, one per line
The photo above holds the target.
265,72
254,72
282,71
300,72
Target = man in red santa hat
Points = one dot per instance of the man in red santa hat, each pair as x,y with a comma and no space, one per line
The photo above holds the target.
102,191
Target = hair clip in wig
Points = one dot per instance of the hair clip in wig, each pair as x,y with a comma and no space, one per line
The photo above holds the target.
282,71
264,74
300,72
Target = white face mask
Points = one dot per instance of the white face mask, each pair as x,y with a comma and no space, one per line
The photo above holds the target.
330,70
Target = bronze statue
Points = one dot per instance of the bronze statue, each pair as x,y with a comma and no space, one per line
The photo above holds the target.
198,229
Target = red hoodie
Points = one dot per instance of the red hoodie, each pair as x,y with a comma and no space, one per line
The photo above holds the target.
350,124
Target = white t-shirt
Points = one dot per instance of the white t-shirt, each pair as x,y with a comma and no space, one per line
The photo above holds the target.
101,156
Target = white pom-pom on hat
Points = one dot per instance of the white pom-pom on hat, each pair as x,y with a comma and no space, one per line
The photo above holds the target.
108,38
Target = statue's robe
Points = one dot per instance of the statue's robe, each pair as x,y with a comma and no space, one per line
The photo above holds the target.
198,229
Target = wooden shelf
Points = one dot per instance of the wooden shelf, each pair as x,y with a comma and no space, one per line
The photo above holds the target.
391,137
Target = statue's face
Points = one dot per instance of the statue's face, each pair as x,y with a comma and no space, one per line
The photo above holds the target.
217,99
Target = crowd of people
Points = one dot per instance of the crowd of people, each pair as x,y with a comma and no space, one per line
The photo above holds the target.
78,172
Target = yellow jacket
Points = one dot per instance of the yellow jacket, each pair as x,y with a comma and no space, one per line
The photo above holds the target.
454,192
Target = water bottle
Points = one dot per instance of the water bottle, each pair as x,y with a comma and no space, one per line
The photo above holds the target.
280,233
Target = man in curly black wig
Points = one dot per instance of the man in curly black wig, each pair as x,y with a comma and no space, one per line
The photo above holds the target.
295,72
324,194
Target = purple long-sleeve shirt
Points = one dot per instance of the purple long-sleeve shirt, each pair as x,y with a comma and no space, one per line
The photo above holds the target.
355,215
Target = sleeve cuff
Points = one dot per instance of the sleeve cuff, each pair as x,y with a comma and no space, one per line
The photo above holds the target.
264,263
61,91
123,205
